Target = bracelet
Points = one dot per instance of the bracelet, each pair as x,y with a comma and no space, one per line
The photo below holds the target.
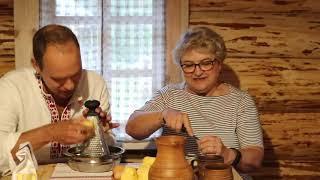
237,158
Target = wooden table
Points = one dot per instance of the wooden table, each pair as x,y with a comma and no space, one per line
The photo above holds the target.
44,172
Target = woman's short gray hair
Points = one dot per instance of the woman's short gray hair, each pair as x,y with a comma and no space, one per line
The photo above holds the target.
201,38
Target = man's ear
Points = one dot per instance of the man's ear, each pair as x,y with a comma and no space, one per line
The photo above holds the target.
220,66
35,65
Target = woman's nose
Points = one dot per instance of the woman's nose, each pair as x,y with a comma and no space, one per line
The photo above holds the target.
198,70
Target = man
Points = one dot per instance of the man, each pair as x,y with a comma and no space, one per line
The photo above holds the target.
44,104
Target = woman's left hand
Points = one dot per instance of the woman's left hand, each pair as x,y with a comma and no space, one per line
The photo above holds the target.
104,118
211,145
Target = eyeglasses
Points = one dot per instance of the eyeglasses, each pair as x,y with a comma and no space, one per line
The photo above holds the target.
204,65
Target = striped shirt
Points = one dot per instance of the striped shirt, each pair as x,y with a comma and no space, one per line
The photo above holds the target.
232,117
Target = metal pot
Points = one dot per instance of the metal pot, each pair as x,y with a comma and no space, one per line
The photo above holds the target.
82,163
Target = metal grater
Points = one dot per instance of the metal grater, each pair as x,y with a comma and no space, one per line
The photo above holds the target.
95,146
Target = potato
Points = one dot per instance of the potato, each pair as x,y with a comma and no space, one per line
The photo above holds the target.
148,161
143,172
88,123
129,173
117,171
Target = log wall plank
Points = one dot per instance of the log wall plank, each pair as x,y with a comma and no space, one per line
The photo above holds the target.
291,136
292,146
6,37
288,170
278,84
256,5
264,34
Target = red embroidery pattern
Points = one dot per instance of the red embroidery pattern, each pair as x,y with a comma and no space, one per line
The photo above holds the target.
56,149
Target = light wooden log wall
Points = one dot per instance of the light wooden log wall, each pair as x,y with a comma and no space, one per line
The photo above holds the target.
274,53
6,36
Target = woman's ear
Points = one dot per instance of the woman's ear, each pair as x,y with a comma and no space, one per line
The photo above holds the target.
35,65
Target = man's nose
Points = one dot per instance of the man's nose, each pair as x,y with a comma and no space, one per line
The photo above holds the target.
69,85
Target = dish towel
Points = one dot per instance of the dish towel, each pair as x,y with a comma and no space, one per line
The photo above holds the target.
26,166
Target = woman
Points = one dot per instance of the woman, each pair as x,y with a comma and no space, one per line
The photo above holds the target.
222,116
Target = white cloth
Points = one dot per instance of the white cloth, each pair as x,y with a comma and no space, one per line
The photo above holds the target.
22,107
26,169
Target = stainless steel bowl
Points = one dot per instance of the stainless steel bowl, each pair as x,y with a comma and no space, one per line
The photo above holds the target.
82,163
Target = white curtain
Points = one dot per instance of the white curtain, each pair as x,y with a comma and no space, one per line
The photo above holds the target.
123,40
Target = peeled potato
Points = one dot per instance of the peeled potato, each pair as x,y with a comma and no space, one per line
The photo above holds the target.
148,160
88,123
129,173
121,172
117,171
143,172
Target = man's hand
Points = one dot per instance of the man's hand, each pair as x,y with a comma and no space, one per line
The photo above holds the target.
71,132
104,118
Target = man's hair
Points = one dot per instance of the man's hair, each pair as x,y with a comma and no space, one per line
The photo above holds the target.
200,38
50,34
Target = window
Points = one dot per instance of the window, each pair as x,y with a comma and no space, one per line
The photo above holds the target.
123,40
27,18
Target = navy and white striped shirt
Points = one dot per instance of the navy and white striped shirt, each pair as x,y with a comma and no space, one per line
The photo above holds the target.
232,117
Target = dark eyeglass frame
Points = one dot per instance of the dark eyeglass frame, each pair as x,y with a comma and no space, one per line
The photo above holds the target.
201,64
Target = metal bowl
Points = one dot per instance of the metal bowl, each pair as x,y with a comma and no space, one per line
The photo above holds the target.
82,163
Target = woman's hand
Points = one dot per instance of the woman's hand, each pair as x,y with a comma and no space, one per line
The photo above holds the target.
104,118
211,145
176,120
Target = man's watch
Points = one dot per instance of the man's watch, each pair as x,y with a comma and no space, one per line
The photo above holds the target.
237,158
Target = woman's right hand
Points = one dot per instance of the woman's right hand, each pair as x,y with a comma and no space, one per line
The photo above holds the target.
71,131
176,120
